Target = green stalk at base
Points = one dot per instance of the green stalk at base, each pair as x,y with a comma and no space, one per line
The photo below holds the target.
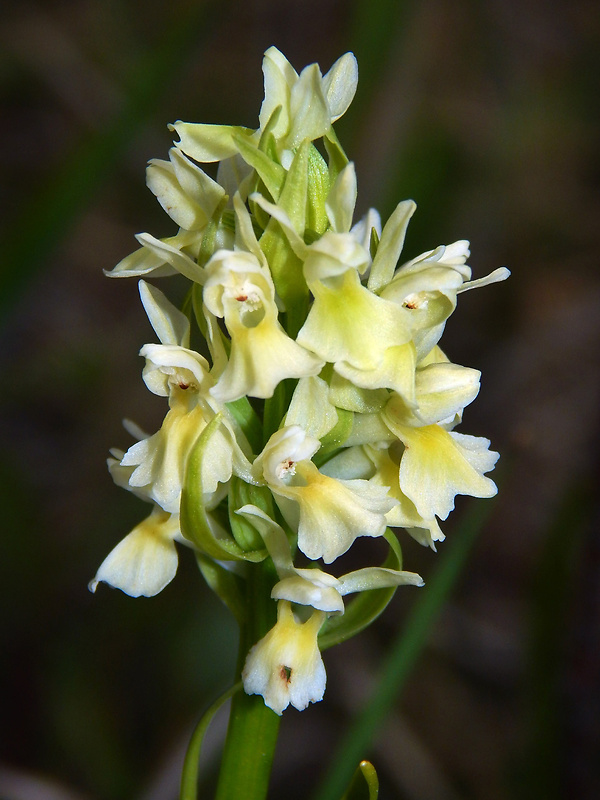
249,750
253,726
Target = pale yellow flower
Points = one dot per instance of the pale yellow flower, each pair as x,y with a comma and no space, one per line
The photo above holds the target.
329,514
145,561
285,666
239,289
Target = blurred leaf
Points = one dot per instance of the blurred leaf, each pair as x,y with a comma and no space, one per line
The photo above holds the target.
403,654
540,767
189,775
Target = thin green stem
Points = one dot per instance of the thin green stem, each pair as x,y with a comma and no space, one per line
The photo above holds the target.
191,764
253,727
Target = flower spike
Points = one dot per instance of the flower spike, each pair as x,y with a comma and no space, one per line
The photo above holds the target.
307,400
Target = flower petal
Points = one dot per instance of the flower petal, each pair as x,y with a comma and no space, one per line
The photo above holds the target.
170,325
333,513
340,85
437,465
349,323
145,561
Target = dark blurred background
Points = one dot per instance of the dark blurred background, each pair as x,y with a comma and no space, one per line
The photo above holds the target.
486,113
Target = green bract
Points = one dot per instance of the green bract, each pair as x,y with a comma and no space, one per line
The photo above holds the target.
321,408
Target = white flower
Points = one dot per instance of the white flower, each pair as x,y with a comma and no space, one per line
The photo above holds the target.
427,287
329,514
404,514
286,666
184,190
159,461
309,103
348,324
314,587
437,465
241,291
145,561
442,390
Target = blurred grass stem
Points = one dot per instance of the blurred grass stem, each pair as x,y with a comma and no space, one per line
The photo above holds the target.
403,656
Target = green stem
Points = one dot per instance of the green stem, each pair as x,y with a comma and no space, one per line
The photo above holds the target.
253,727
191,764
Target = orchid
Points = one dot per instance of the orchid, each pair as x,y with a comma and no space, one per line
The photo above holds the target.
286,666
307,400
295,107
314,587
329,514
262,354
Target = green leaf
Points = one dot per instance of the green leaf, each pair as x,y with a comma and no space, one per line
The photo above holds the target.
365,783
402,654
225,584
277,406
196,303
293,198
365,607
338,434
189,775
207,246
195,523
285,265
267,142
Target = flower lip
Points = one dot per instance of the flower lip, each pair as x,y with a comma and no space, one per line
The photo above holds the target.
285,666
